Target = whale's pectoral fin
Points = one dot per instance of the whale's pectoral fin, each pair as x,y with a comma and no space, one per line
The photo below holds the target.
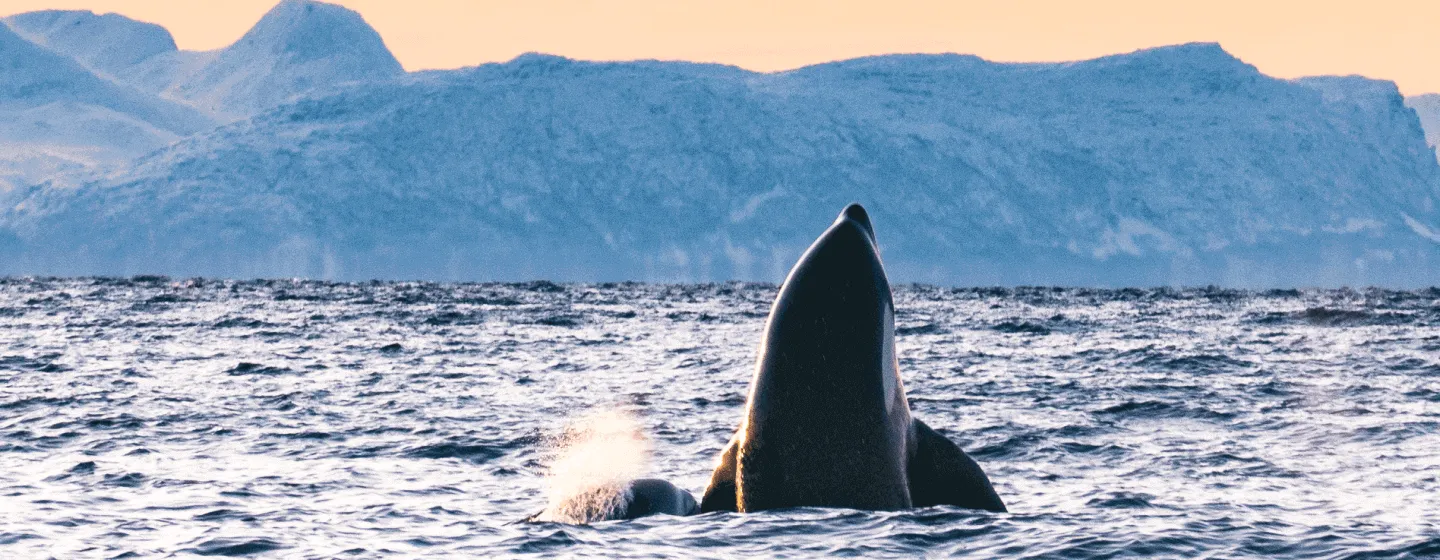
721,494
942,474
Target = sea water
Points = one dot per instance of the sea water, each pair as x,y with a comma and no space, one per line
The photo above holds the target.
156,417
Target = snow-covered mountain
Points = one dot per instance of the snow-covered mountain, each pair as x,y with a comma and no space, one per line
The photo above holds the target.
298,47
57,115
109,44
137,54
1171,165
88,92
1428,108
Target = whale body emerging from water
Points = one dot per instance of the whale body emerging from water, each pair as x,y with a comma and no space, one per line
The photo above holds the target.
639,498
826,422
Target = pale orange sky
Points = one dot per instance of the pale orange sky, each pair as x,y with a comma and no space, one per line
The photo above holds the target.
1395,40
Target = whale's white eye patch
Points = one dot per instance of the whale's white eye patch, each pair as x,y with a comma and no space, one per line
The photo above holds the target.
888,365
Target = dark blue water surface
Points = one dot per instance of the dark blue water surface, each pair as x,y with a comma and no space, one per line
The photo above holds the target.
151,417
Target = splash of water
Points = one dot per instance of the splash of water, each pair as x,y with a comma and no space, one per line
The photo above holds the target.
595,459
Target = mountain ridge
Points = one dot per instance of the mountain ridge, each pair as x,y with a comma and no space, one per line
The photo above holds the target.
1173,165
976,172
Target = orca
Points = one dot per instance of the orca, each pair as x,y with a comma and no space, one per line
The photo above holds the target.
826,421
640,498
652,496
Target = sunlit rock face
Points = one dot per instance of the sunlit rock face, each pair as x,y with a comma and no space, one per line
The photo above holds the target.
1428,108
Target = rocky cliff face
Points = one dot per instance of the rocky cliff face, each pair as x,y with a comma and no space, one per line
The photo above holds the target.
1428,108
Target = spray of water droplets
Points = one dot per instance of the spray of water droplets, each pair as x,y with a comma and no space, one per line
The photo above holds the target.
588,478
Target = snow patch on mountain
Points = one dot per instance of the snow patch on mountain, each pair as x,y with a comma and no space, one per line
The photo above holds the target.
1422,230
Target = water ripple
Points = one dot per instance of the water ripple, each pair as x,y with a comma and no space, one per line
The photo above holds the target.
152,417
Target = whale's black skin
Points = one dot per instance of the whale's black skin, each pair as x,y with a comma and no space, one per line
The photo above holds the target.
826,423
652,496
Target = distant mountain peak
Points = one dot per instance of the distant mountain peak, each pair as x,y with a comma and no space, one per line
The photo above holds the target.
1194,49
107,43
1179,59
298,46
533,57
308,30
